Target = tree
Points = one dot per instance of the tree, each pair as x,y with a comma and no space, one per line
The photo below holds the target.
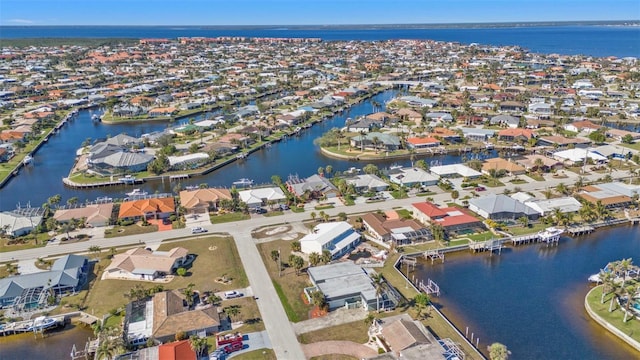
454,195
95,250
189,294
321,171
275,255
370,169
295,246
180,335
314,259
313,215
498,351
370,319
421,302
110,344
319,300
328,170
627,139
72,201
562,189
597,136
182,272
422,164
326,256
296,262
198,344
232,311
548,194
524,221
378,282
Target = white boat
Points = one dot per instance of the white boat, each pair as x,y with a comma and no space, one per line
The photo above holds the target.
550,232
27,160
244,182
42,323
95,117
191,187
137,192
104,199
128,179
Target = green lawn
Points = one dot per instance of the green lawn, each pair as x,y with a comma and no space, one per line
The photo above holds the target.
229,217
354,331
535,176
615,318
532,229
216,257
274,213
134,229
289,286
25,242
249,314
260,354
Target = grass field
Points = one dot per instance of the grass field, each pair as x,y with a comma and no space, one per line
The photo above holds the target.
216,256
249,314
229,217
260,354
134,229
289,286
615,318
354,331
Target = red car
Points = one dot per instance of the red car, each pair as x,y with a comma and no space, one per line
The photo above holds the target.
229,339
480,188
233,347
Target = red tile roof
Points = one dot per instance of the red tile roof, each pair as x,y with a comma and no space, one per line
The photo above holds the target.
179,350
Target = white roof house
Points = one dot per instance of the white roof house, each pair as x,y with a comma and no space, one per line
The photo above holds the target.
545,206
258,197
455,170
336,237
15,224
411,176
187,159
578,155
368,182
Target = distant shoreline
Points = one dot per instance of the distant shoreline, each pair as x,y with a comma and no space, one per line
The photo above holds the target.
284,27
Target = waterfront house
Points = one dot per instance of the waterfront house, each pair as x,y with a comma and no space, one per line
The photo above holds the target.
450,218
153,208
144,264
422,142
618,134
530,163
502,165
578,156
476,134
507,121
455,170
410,340
94,215
412,176
563,142
365,125
30,291
201,201
106,157
317,186
255,198
585,126
501,207
545,207
338,238
611,195
347,285
177,350
398,231
18,223
164,111
376,141
410,115
419,102
367,182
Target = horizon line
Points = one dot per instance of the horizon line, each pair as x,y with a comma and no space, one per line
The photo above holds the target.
344,25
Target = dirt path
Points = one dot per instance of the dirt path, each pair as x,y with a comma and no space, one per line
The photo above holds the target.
338,347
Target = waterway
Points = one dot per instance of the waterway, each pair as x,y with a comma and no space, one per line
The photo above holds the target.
56,344
530,298
295,156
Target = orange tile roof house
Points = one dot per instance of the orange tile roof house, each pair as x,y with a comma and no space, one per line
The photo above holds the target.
422,142
402,231
177,350
143,264
515,134
450,218
95,215
203,200
608,198
499,164
150,208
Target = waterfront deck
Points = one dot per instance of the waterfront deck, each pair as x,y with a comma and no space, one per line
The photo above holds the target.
20,327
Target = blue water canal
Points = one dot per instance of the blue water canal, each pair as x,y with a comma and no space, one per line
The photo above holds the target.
531,298
297,155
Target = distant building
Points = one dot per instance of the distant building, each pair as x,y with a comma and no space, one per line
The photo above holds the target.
450,218
203,200
501,207
336,237
412,176
153,208
367,182
143,264
16,223
255,198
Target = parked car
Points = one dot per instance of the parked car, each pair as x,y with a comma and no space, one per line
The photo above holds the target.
260,211
481,188
198,230
236,346
284,207
166,221
232,294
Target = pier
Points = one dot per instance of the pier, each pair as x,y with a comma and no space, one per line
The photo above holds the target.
434,255
580,230
489,245
19,327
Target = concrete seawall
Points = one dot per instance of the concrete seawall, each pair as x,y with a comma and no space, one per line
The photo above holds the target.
605,324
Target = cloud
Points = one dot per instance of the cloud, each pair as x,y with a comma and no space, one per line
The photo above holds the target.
21,21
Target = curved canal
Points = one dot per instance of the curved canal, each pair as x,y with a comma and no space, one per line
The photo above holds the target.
296,155
531,298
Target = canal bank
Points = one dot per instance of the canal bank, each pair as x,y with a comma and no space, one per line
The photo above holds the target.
531,298
56,344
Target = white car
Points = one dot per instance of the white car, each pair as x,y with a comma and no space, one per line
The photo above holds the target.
232,294
198,230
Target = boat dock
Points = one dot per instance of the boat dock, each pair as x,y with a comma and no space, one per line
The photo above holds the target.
580,230
434,255
489,245
19,327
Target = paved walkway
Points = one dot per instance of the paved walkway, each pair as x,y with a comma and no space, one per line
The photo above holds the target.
337,317
254,341
28,267
338,347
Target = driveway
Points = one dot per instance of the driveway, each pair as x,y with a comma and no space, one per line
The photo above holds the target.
246,292
194,220
253,341
350,348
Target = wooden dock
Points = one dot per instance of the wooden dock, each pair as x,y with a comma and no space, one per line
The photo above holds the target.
525,239
434,255
580,230
20,327
489,245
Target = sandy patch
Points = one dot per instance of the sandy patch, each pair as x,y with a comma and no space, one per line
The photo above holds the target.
279,229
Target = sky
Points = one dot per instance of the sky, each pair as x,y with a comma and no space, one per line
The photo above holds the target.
308,12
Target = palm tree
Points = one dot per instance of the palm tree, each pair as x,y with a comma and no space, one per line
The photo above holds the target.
608,280
623,266
547,193
378,282
109,344
314,259
498,351
232,311
95,250
421,302
562,189
198,344
601,211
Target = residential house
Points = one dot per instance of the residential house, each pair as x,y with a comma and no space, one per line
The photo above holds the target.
582,126
201,201
416,101
607,197
575,156
545,207
177,350
347,285
563,142
455,170
338,238
502,165
508,121
619,134
412,176
410,115
422,142
477,134
410,340
365,125
255,198
516,135
541,109
144,264
367,182
512,106
317,186
398,231
156,208
450,218
18,223
94,215
501,207
529,162
29,291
